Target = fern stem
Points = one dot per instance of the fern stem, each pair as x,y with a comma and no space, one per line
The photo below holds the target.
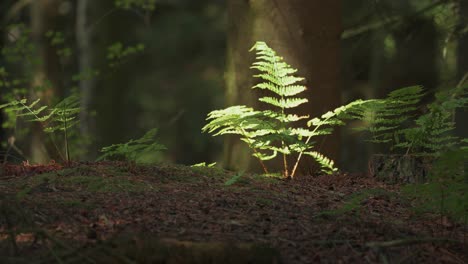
254,150
293,172
260,161
285,162
65,132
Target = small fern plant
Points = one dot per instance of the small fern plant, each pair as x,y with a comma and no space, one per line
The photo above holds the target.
272,132
433,131
62,117
133,149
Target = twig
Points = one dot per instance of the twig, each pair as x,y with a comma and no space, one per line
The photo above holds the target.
352,32
410,241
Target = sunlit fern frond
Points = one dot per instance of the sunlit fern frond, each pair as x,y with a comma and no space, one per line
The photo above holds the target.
276,76
134,148
327,165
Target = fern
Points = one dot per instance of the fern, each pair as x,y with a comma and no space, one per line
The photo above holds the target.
386,117
21,107
433,131
61,118
464,144
133,149
234,179
433,135
393,120
272,132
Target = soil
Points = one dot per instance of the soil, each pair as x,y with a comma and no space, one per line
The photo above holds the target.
126,213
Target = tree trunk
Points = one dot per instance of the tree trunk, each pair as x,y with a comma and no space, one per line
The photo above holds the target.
43,13
86,86
307,34
115,118
415,60
462,68
3,35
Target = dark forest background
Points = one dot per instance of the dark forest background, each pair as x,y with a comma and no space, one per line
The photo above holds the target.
141,64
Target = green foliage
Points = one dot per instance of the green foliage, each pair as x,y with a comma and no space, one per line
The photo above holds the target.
21,62
433,131
19,52
63,116
394,120
22,59
272,132
21,48
133,149
234,179
447,187
57,40
204,164
354,201
149,5
86,74
464,144
386,117
117,52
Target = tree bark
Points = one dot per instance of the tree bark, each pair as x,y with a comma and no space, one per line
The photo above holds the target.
462,67
43,14
415,60
307,34
85,55
3,35
115,116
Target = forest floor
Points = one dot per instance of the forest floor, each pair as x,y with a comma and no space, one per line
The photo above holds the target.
122,213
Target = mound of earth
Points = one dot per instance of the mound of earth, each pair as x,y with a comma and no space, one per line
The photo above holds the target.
123,213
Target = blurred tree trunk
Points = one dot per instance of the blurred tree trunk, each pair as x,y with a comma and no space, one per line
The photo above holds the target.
85,64
307,34
43,15
462,67
114,117
3,36
415,58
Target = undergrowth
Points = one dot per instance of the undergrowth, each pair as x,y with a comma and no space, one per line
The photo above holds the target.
134,149
398,122
353,203
447,188
60,118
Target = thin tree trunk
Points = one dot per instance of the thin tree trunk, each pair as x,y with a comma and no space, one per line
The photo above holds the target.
115,116
462,68
86,86
307,34
3,11
43,13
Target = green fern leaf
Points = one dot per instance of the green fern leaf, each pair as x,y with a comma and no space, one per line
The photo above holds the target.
283,102
327,165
